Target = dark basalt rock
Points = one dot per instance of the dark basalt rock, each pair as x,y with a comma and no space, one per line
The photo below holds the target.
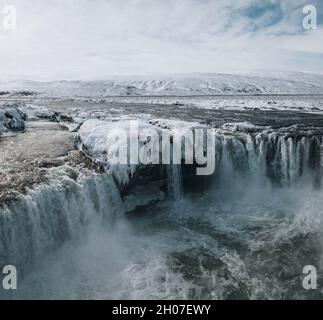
15,125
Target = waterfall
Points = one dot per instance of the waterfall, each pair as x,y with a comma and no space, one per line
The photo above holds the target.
48,215
282,158
44,218
174,177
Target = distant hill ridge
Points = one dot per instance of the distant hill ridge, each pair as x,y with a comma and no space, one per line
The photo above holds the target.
176,85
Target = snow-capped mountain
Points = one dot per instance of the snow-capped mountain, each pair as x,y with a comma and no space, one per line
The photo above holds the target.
177,85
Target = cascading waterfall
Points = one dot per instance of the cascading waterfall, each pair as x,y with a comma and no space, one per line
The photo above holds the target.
50,214
174,181
281,158
47,216
284,159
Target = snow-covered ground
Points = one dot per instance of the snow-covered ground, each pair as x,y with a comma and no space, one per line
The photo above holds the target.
175,85
303,103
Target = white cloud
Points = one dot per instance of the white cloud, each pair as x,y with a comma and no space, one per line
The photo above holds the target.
92,39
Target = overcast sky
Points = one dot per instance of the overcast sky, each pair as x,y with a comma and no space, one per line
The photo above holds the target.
95,39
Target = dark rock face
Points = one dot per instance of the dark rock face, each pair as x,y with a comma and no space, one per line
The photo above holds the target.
14,124
12,118
54,116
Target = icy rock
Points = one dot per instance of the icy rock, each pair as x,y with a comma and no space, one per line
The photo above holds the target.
2,121
144,196
53,116
14,124
13,112
11,118
242,127
93,140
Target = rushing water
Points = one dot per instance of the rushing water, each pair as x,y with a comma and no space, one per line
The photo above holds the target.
244,233
50,215
174,181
